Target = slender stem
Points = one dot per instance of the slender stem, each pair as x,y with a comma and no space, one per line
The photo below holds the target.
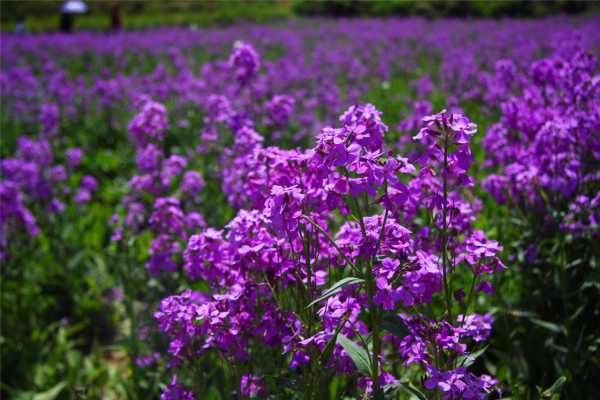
445,227
306,240
125,274
307,243
564,289
374,314
340,252
470,295
377,315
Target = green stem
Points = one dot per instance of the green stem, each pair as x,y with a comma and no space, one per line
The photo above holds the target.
340,252
470,295
129,298
445,229
564,288
374,314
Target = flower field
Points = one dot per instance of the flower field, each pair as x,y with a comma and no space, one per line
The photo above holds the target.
315,209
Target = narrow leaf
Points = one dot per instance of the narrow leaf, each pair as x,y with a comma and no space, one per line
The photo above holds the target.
469,359
359,355
546,325
336,288
394,389
51,393
555,388
328,351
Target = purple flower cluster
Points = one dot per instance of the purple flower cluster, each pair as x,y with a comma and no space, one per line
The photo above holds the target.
356,254
162,198
306,71
49,119
150,123
34,186
546,147
175,391
245,62
279,110
346,208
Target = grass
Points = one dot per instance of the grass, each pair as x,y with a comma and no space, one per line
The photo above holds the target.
224,13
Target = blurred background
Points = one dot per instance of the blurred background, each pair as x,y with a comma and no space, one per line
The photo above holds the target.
45,15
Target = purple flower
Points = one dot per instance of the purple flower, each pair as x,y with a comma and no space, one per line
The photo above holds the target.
37,151
148,158
150,123
192,183
244,61
459,127
89,183
175,391
167,217
174,165
58,173
459,383
162,252
12,208
476,326
135,215
194,220
49,119
279,109
364,125
203,255
83,196
284,208
251,386
57,206
74,156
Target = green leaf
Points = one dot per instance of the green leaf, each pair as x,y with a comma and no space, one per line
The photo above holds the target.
546,325
336,288
213,394
51,393
555,388
395,388
359,355
394,324
328,351
591,284
469,359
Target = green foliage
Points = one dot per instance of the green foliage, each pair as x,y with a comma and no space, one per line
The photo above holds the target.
63,370
548,309
440,8
62,339
358,354
336,288
41,16
552,393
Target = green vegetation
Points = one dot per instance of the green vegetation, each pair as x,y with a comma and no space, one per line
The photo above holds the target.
42,16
